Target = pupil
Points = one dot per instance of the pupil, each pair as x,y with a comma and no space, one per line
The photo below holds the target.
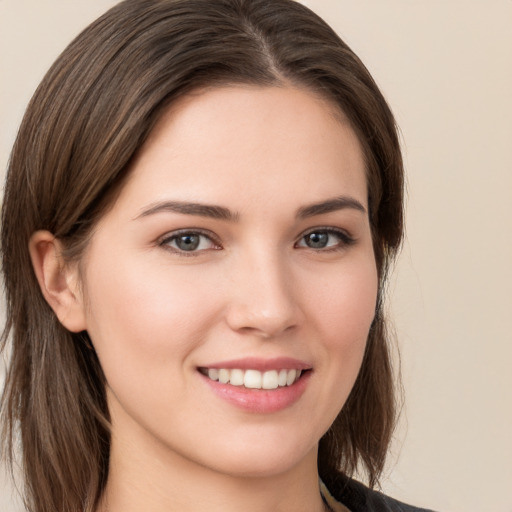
188,242
317,240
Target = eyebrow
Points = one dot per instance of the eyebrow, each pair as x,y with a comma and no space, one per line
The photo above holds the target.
330,205
222,213
183,207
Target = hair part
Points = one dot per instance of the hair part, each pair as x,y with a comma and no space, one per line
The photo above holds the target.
92,112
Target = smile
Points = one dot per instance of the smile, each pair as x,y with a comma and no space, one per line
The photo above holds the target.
253,379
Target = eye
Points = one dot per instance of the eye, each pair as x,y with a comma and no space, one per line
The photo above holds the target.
189,242
325,238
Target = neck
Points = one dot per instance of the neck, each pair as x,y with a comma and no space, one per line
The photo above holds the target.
156,482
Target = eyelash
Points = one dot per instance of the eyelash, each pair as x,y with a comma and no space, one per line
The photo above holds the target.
168,239
345,240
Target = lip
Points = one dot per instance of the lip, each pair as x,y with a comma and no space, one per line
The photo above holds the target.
260,401
260,364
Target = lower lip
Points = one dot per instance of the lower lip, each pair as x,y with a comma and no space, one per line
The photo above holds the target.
260,401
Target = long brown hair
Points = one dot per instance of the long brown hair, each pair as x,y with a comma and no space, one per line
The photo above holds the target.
92,111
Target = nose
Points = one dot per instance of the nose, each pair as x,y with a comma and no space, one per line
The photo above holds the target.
263,300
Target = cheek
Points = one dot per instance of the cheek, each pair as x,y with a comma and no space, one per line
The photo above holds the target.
143,314
344,311
145,322
345,302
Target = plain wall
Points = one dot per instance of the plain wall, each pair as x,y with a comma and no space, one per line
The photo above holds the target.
446,68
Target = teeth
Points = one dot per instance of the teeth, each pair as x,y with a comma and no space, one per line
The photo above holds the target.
224,376
290,379
269,380
237,378
254,379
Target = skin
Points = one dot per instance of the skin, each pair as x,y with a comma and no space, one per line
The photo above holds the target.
254,287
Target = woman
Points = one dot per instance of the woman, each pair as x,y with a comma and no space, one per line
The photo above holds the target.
200,209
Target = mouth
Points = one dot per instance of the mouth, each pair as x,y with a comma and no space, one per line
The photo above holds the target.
256,385
254,379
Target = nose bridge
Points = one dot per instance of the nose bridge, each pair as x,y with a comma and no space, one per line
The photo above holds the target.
262,299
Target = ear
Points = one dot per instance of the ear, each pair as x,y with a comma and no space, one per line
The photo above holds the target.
59,282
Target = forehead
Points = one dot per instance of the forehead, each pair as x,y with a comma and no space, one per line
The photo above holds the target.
226,142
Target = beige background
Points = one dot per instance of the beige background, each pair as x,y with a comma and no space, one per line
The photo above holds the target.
446,68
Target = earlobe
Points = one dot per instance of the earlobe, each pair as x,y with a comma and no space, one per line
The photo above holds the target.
58,281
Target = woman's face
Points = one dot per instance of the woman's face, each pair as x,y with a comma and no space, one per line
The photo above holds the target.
238,254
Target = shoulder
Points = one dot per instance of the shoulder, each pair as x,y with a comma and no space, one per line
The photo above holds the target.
359,498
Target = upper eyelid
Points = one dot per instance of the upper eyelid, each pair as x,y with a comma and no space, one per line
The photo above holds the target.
186,231
328,229
346,239
169,236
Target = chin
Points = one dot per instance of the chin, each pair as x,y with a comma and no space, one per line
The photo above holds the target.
261,459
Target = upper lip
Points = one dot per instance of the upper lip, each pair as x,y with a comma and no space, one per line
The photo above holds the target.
255,363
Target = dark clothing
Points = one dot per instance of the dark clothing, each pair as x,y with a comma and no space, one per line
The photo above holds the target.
359,498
